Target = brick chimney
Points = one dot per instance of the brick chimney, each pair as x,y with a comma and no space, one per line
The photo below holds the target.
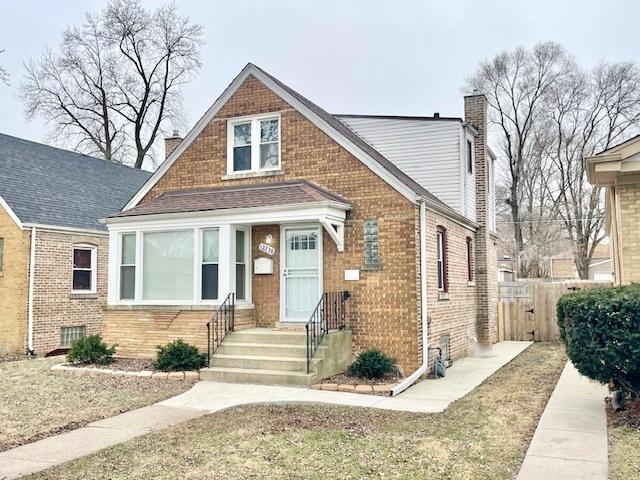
170,143
475,113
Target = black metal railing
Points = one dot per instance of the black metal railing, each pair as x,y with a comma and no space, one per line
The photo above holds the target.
330,314
220,324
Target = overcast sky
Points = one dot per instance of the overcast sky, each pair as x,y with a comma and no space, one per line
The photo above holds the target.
375,57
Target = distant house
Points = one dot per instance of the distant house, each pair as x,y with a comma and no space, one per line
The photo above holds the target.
618,170
271,205
563,266
53,249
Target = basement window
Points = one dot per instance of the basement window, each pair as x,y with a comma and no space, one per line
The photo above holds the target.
70,334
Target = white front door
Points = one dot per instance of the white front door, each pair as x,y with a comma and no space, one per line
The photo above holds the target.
301,283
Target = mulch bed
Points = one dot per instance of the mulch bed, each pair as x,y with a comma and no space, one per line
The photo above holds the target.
11,358
125,365
629,417
346,379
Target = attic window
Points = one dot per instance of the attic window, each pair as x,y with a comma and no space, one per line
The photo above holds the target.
253,144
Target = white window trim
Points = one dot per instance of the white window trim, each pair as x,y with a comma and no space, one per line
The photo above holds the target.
226,268
255,142
440,260
201,262
94,265
134,265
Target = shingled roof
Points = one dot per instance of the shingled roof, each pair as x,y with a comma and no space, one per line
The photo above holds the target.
294,192
49,186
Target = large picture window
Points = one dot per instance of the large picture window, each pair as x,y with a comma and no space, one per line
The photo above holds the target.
167,267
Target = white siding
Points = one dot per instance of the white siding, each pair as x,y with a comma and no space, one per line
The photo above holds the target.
426,150
469,183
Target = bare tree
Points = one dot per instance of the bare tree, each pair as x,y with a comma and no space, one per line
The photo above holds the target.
115,84
515,84
4,75
584,113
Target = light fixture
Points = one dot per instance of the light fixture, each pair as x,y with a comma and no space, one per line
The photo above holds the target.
269,238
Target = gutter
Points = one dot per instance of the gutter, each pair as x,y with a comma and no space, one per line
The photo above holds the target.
32,265
422,369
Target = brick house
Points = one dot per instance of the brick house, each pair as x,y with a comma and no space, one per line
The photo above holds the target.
617,169
53,250
274,200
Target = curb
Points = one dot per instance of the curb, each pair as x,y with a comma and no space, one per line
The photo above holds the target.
176,376
366,389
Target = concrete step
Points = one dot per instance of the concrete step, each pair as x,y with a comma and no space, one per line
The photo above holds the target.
267,335
256,376
262,349
255,362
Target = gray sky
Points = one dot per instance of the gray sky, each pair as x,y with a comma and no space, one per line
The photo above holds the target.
376,57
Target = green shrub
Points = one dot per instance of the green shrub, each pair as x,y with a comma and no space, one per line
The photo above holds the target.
372,364
90,349
179,355
601,330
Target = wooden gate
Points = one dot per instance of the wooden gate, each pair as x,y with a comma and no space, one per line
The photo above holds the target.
527,309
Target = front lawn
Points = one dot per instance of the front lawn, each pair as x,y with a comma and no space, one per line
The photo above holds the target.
624,442
36,402
482,436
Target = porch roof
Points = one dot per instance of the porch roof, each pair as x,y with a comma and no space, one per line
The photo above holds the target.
297,192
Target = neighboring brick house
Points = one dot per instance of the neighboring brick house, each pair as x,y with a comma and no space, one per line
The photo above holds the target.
51,201
618,169
274,199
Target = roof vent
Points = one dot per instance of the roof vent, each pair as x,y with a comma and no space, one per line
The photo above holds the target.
436,115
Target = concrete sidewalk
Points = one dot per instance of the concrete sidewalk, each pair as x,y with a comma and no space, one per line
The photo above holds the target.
571,439
428,396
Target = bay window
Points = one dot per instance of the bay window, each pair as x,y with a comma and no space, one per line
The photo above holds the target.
253,144
181,266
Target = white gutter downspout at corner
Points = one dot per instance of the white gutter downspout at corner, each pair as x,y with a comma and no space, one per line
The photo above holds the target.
32,259
422,369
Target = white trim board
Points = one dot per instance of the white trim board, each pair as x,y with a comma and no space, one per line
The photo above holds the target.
250,69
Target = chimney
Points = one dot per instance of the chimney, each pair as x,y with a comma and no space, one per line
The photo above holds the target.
486,256
170,143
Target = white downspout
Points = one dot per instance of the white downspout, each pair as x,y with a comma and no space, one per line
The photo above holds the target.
411,379
32,265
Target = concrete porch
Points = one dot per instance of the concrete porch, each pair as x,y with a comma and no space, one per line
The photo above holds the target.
277,356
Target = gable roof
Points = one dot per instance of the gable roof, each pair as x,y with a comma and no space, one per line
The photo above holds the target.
328,123
295,192
44,185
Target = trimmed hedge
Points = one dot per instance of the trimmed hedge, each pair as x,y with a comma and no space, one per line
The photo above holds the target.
90,349
601,330
179,355
372,364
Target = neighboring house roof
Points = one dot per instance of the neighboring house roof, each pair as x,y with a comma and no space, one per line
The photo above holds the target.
247,196
323,120
49,186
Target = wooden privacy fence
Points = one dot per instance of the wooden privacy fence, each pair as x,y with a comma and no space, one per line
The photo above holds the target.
527,309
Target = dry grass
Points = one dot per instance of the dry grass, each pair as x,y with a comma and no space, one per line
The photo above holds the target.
482,436
36,402
624,442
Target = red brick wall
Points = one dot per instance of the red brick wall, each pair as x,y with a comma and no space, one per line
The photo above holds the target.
54,306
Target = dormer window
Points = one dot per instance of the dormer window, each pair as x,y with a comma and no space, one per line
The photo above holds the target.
253,144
